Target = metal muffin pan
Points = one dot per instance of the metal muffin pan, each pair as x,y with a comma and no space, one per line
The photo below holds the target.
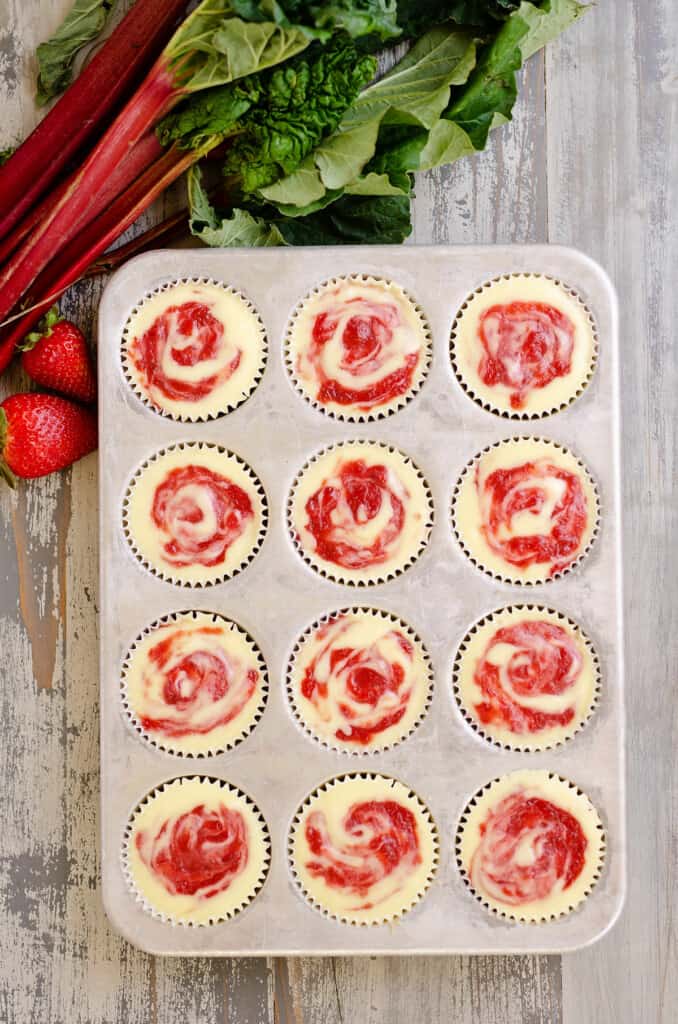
275,599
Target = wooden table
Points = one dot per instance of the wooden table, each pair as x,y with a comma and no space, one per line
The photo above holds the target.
590,160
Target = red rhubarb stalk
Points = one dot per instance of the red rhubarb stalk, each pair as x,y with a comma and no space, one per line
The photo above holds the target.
109,76
151,102
71,263
166,231
135,162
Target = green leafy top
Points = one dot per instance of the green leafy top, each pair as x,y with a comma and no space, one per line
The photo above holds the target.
376,19
415,16
415,92
275,118
212,47
82,24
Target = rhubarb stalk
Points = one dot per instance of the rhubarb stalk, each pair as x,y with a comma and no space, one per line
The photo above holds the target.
206,50
93,240
106,79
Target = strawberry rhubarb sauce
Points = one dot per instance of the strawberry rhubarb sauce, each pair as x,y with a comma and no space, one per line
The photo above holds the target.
520,665
358,346
198,852
193,682
357,497
530,848
526,509
379,843
194,349
359,681
361,510
179,340
525,345
539,489
201,513
195,512
364,848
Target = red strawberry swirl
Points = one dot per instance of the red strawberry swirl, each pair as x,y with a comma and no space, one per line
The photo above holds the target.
192,684
521,665
361,352
378,846
185,354
537,488
526,345
201,513
358,692
196,853
357,516
529,850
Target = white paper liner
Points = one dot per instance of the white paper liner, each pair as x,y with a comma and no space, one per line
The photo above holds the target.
378,574
224,408
574,800
526,742
387,408
344,747
219,575
263,837
513,577
429,865
483,396
251,713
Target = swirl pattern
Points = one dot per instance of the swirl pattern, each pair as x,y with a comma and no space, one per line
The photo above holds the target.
200,514
529,849
525,345
185,353
359,346
358,679
379,846
509,498
192,682
198,853
520,665
356,517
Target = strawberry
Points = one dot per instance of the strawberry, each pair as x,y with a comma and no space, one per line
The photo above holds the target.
42,433
56,356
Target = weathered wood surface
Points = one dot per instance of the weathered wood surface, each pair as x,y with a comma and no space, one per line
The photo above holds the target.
590,160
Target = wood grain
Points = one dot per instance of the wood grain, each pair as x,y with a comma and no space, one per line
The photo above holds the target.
590,159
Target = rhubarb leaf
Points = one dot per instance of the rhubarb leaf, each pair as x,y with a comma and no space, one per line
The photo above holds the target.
488,99
82,24
360,18
213,48
239,228
484,102
351,220
415,16
300,104
415,92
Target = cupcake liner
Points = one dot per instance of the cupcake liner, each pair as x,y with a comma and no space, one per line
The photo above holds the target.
193,448
339,746
507,576
387,409
379,574
258,868
571,798
482,397
533,744
250,720
427,869
223,408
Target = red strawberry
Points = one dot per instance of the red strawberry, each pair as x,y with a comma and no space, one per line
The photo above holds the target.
56,356
42,433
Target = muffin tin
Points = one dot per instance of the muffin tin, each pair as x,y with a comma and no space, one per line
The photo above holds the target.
444,761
